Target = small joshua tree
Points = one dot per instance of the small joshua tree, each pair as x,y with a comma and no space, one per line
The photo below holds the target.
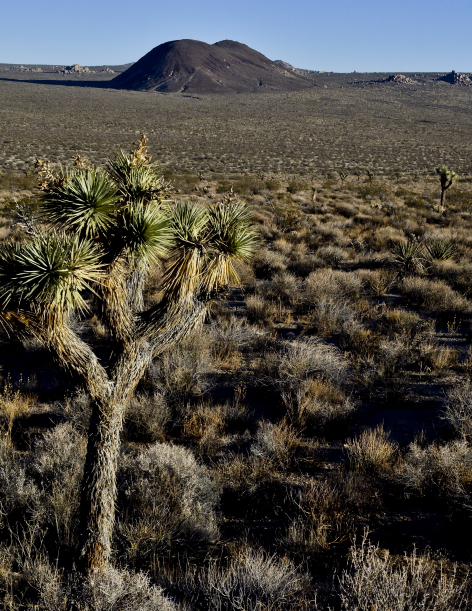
446,178
106,229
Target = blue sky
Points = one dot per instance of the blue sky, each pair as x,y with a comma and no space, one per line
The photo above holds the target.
338,35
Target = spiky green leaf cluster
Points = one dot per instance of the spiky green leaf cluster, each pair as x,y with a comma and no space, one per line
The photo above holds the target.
442,249
49,270
209,240
409,256
84,201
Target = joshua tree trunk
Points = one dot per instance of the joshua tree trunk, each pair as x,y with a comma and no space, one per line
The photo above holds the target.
97,508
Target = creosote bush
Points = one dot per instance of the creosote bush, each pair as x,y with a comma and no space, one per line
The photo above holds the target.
167,500
375,580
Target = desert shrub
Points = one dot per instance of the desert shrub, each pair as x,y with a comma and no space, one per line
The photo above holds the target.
110,589
368,190
267,263
316,403
294,186
147,418
166,499
260,311
272,184
377,282
433,296
276,443
372,451
209,425
17,489
310,358
360,341
437,469
78,410
179,374
374,580
332,255
404,323
228,338
58,466
253,580
458,409
120,590
302,266
327,296
323,518
331,315
332,283
285,287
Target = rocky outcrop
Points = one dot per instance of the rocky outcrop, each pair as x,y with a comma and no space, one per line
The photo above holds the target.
400,78
455,78
76,69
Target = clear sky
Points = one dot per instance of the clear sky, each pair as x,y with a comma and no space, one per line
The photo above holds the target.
338,35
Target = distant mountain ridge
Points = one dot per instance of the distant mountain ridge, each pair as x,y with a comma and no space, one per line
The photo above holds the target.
192,66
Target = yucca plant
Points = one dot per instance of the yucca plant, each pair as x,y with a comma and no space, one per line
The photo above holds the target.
409,257
442,249
106,229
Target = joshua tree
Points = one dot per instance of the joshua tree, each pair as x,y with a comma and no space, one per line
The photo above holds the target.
106,229
446,178
343,176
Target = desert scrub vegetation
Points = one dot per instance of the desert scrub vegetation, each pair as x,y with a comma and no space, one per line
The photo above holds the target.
325,392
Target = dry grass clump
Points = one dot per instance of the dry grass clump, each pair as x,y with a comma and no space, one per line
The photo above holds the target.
267,263
332,255
119,590
286,288
405,323
58,466
309,358
444,470
18,492
253,580
328,296
323,518
332,283
111,589
277,444
228,338
372,451
147,418
308,375
317,403
373,580
13,404
167,499
179,374
377,283
260,311
210,425
458,409
433,296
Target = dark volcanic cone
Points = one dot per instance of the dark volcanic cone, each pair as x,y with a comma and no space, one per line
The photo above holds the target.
195,67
